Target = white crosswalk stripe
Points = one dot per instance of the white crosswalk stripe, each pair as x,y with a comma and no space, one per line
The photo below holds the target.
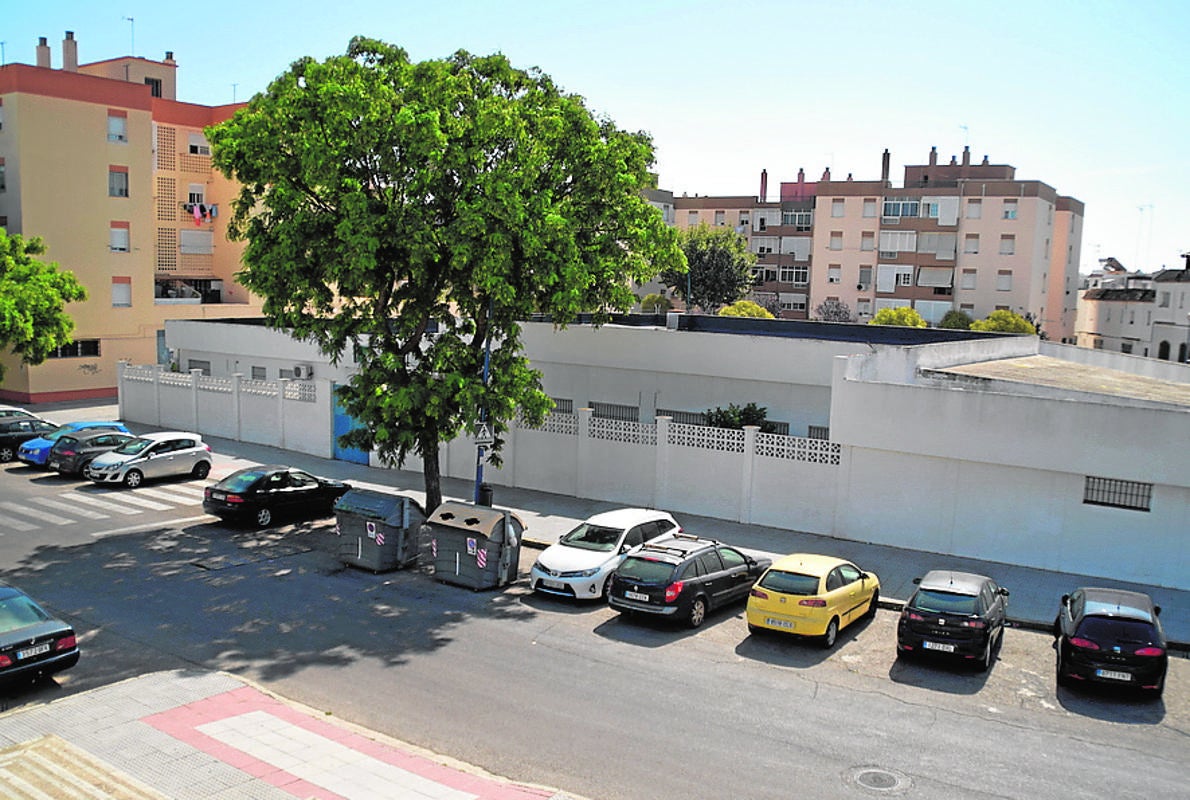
134,499
91,500
178,495
68,509
24,511
15,524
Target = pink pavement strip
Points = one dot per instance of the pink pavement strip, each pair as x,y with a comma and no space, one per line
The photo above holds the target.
183,722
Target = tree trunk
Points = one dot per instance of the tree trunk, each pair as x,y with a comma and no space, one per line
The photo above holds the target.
430,469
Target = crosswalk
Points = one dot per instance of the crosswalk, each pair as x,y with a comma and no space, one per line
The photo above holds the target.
93,503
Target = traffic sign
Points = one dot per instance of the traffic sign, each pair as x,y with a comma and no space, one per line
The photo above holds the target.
483,435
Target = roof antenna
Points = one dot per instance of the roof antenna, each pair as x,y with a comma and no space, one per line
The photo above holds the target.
965,131
132,26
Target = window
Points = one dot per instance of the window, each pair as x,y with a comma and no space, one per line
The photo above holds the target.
967,280
792,302
869,207
121,291
1010,209
974,209
198,145
836,242
194,363
834,273
837,209
867,241
1163,300
117,181
3,178
118,232
1007,244
968,309
259,373
117,125
196,242
1117,493
865,277
890,276
1126,348
785,274
762,223
971,243
898,241
720,217
743,217
196,194
1004,280
154,85
901,207
79,348
905,278
863,308
801,275
800,220
692,218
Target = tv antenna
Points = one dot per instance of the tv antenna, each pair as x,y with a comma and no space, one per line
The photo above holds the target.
965,131
132,34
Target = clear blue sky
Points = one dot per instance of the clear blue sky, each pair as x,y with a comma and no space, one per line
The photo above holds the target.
1091,97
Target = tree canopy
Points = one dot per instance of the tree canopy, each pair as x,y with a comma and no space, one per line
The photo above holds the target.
1004,321
833,311
745,308
33,297
904,316
719,264
411,214
956,320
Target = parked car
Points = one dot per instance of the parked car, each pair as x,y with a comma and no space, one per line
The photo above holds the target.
153,455
955,614
36,452
683,577
1110,636
580,564
13,411
264,494
71,454
15,431
33,643
812,595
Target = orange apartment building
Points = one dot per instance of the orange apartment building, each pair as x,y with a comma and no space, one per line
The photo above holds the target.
103,163
957,236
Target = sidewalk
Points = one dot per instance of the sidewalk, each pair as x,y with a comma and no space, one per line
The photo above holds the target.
1033,602
213,736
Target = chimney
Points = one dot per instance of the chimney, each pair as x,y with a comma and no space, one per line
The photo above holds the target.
966,155
764,185
169,57
801,175
954,162
884,165
933,156
985,161
43,53
826,174
70,53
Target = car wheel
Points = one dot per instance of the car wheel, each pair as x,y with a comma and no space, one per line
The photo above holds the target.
201,470
607,589
752,629
698,612
264,517
872,606
83,467
985,661
5,454
133,478
1059,672
832,633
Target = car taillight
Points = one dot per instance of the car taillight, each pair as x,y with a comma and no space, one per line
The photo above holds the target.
974,623
67,643
758,593
1151,651
206,447
68,453
234,498
673,590
1083,644
5,661
813,602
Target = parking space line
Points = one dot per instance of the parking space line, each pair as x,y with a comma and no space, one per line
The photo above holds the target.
83,497
68,509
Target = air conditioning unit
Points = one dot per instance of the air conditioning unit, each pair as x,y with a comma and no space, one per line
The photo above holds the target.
303,372
862,287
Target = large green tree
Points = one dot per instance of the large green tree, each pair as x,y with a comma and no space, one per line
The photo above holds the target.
33,298
720,267
413,213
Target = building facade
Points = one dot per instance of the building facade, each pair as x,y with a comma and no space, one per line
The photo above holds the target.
104,164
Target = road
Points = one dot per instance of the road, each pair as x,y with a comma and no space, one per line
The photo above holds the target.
545,691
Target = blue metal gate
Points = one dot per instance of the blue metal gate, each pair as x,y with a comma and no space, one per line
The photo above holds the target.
343,423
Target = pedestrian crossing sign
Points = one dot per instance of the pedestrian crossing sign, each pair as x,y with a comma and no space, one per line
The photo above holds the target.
483,435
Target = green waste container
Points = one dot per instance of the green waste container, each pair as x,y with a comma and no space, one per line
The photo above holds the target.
472,545
377,530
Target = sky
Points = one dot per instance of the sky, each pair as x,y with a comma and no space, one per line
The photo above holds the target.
1089,96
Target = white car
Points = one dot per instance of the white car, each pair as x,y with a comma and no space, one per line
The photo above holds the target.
580,564
153,455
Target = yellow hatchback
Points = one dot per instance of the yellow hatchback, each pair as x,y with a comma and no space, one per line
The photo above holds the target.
812,595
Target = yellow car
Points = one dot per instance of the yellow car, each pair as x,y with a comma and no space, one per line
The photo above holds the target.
811,595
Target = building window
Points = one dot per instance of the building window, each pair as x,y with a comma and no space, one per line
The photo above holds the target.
118,237
865,278
836,242
800,220
867,241
1117,493
259,373
785,274
1007,244
971,243
1163,300
3,177
1126,348
1010,209
967,280
901,207
1004,280
905,278
974,209
198,145
196,194
692,218
762,223
117,181
834,273
837,209
968,309
863,307
121,291
196,242
744,218
195,363
154,85
801,275
869,207
79,348
117,125
898,242
720,217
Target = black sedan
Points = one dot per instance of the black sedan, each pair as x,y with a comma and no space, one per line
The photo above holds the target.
15,431
1110,636
262,494
33,644
71,454
955,614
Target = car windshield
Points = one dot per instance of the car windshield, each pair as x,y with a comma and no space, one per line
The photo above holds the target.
1105,630
132,447
790,582
18,612
54,436
645,570
241,481
944,602
593,537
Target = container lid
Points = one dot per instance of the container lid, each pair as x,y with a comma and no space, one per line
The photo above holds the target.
471,518
367,503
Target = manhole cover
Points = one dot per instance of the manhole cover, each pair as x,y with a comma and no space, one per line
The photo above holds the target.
877,780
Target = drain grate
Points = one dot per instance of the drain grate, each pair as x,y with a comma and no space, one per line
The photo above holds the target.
877,780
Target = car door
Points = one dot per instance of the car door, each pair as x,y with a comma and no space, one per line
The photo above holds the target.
738,579
301,494
718,588
836,596
856,600
153,462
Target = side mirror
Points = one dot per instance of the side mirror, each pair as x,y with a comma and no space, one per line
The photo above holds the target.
867,576
1065,599
917,581
1003,591
1157,610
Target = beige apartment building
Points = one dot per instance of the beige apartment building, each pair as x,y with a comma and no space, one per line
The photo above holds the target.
104,164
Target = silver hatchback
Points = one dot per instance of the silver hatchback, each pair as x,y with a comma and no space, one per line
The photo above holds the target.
154,455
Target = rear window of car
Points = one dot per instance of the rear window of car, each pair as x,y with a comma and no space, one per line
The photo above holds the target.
636,568
238,483
1113,630
18,612
789,582
944,602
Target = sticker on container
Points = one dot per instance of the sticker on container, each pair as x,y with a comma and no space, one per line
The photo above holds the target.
379,537
481,558
472,545
371,528
434,548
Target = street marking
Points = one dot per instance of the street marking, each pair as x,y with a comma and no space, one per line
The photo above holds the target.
17,508
177,497
102,504
17,525
132,499
68,509
149,526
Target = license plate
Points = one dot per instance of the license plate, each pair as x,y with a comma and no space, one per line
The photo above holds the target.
778,623
644,598
1112,675
36,650
218,495
551,584
55,464
939,646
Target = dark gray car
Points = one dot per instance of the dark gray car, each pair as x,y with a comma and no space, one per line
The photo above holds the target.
15,431
71,454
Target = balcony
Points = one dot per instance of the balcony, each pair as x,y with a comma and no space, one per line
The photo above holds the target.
187,291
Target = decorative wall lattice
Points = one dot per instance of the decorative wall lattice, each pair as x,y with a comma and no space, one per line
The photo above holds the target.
139,374
167,249
175,379
188,162
301,390
614,430
723,440
795,448
167,148
167,199
562,424
197,265
209,383
262,388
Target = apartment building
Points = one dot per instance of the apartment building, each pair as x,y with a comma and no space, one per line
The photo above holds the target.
1171,314
103,163
1119,320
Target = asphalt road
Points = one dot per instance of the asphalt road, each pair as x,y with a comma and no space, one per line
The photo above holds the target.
545,691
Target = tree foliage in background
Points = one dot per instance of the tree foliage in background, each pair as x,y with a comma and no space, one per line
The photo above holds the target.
833,311
736,417
904,316
384,198
655,304
1004,321
33,298
745,308
719,264
955,320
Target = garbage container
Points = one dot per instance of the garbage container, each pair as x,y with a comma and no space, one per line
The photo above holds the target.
377,531
485,494
472,545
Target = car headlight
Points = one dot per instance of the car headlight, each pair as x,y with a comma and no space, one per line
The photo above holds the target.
588,573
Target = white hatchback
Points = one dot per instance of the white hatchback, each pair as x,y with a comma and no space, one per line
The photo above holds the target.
154,455
581,562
